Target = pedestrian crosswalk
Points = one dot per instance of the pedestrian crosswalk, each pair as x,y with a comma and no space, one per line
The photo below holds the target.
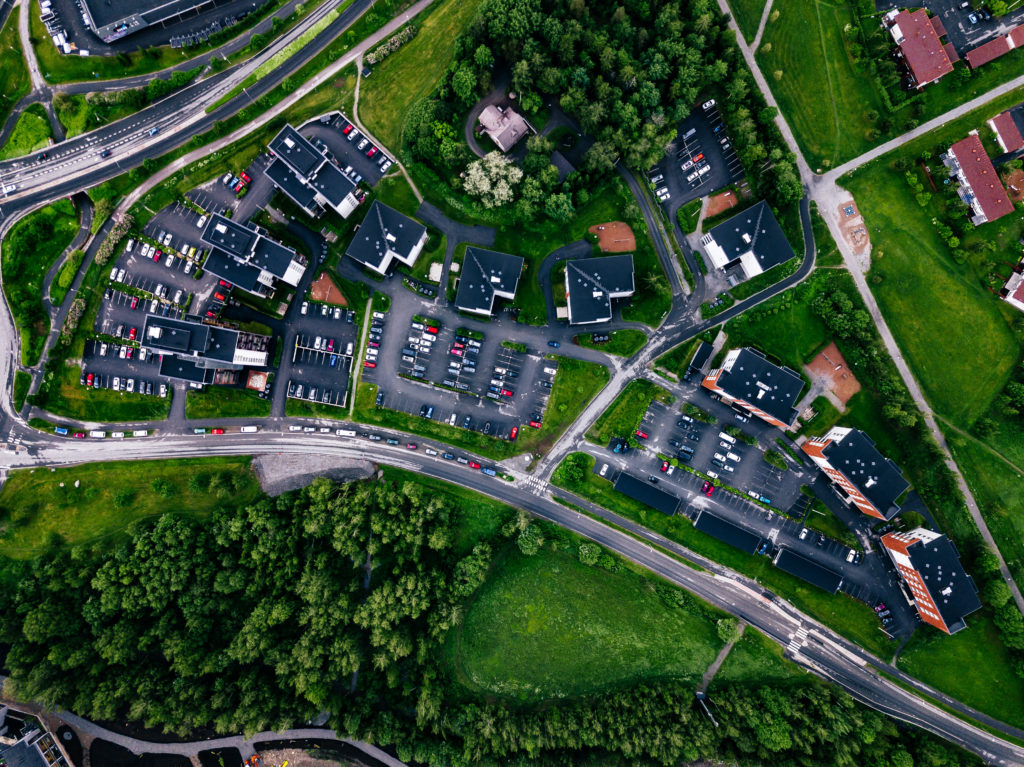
536,485
798,640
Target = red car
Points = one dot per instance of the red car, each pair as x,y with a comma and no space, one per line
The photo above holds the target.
246,178
641,434
128,354
432,329
216,431
211,314
474,465
156,256
457,352
132,333
219,296
506,393
79,435
514,433
238,187
411,446
664,465
458,345
372,151
224,284
699,157
707,488
368,364
347,129
535,424
88,379
135,301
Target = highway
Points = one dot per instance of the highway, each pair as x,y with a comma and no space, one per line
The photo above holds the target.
76,164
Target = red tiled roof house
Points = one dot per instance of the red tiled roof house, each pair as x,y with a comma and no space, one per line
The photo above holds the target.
917,36
1007,133
979,184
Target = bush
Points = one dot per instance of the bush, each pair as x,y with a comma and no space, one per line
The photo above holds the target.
774,458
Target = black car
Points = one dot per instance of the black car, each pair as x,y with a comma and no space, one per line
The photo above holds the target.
821,540
693,436
380,398
105,153
674,442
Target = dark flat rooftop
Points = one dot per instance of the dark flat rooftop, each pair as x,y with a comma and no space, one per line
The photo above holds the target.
646,492
803,568
726,531
229,236
284,178
296,151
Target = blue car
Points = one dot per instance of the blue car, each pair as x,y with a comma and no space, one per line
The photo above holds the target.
554,344
334,360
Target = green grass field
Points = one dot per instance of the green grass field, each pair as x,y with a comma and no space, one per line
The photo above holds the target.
411,72
14,78
624,343
854,620
31,132
110,496
756,659
748,16
623,415
22,383
73,400
223,402
916,283
548,626
972,665
79,115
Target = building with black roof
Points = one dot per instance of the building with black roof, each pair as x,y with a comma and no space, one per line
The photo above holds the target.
727,532
486,276
701,356
591,284
113,19
386,236
929,565
867,479
751,241
312,173
805,569
209,346
25,742
646,492
179,369
749,380
258,260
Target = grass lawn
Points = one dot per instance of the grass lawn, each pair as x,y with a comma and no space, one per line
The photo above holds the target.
748,16
689,214
756,659
972,665
917,284
624,343
854,620
827,415
677,359
73,400
14,79
820,518
31,132
826,252
575,384
79,115
224,402
22,383
622,417
411,72
548,626
999,491
29,249
112,495
395,191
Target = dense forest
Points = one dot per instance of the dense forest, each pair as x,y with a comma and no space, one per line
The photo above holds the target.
628,73
262,617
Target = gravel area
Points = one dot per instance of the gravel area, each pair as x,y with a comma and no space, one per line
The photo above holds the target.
279,473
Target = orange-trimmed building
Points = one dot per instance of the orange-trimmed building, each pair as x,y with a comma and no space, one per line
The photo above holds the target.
866,478
753,383
929,566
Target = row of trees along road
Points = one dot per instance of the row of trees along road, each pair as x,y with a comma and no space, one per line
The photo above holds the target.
258,618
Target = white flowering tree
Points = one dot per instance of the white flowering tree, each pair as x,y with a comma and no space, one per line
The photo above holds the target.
493,178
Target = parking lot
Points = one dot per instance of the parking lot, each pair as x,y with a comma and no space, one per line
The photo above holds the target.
110,367
701,161
349,149
321,355
454,374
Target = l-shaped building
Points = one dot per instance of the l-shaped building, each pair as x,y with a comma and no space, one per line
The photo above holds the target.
748,380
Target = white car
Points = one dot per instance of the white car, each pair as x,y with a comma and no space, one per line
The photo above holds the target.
305,307
116,385
712,474
201,222
604,470
686,165
188,267
362,144
317,343
709,104
803,534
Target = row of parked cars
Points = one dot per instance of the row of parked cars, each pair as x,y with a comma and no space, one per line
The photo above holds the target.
351,132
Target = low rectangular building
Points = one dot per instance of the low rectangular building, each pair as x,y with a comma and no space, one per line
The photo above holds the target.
1013,291
867,479
929,564
591,284
113,19
1007,133
486,276
751,240
727,532
258,261
979,184
205,346
749,380
817,575
918,37
311,174
386,236
647,493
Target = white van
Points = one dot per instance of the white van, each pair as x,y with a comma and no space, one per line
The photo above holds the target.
140,433
249,429
97,434
727,437
733,457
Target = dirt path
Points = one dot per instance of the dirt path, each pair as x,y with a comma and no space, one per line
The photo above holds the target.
722,655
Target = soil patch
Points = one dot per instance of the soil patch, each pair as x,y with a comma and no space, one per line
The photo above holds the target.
614,237
314,752
830,367
281,472
720,203
220,757
1015,185
854,231
326,292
